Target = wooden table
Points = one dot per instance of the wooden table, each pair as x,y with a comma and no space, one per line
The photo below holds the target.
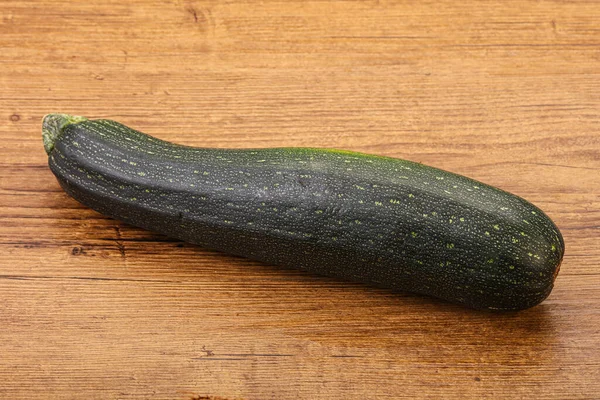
507,92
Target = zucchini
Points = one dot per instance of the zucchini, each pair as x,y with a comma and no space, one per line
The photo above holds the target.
371,219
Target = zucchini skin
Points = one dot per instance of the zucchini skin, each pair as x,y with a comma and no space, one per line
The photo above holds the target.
370,219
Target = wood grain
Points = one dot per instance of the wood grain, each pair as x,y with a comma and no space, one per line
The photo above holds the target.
507,92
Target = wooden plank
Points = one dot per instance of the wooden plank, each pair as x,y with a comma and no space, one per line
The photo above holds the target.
504,92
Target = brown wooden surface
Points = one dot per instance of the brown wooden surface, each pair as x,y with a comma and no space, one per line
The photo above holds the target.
507,92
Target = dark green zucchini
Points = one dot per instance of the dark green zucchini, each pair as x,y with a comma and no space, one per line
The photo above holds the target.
377,220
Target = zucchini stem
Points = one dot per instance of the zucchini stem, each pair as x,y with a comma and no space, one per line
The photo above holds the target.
53,125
